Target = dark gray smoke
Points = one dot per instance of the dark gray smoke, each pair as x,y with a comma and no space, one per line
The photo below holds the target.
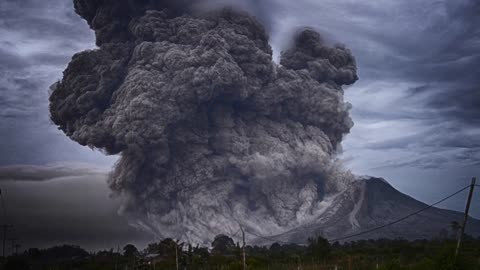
211,132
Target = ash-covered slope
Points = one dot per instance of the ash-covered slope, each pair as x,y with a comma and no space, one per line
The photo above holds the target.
369,203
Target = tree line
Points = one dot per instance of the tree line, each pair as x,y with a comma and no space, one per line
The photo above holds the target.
225,254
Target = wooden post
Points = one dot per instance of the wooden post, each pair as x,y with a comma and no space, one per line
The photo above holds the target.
467,208
17,247
243,249
12,241
5,229
176,255
116,256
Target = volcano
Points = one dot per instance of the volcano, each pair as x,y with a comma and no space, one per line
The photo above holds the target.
369,203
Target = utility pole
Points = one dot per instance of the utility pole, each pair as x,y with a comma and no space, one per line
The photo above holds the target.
134,261
116,257
467,208
12,241
17,246
176,254
5,228
243,249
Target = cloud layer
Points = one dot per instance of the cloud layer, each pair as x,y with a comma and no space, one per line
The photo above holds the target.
48,172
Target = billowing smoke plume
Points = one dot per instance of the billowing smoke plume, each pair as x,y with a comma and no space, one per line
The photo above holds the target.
211,132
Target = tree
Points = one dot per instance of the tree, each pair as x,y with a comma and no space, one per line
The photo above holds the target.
164,247
223,245
66,252
319,247
130,250
455,226
34,252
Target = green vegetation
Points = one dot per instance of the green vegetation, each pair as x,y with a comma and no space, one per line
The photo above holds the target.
225,254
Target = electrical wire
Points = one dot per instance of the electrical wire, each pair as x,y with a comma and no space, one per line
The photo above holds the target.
376,228
267,238
400,219
235,234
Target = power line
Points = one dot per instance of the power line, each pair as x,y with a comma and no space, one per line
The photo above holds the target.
303,226
235,234
373,229
322,227
401,219
267,238
261,236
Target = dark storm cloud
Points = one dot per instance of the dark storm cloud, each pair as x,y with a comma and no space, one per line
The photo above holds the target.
434,44
11,61
39,19
428,66
37,39
434,159
459,102
47,172
446,62
438,140
34,45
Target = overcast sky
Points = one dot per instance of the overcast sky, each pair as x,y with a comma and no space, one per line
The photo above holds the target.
416,106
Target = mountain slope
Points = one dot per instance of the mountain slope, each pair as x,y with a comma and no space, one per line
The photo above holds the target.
369,203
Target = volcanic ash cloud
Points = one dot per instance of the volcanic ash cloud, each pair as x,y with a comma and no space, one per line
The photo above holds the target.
211,132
